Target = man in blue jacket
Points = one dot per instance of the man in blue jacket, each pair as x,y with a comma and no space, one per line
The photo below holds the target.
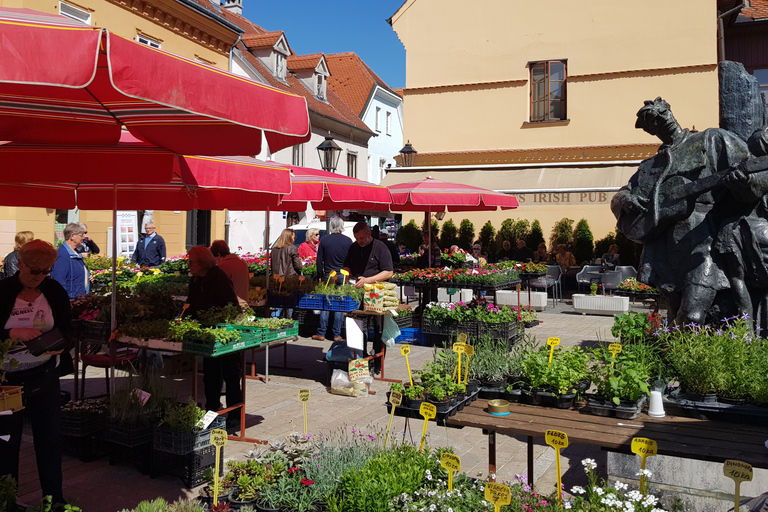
69,269
150,250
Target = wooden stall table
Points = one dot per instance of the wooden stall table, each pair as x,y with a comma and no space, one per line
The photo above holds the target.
362,314
677,436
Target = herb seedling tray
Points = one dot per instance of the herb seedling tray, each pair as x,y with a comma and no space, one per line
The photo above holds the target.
206,348
248,333
283,332
341,303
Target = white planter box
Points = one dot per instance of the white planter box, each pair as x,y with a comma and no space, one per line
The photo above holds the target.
463,295
600,304
509,298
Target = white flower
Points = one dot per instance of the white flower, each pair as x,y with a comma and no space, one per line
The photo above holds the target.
621,486
589,464
650,501
567,505
599,491
658,510
645,472
432,507
634,495
577,490
450,509
629,507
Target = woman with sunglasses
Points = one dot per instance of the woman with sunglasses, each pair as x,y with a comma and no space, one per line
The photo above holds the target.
70,270
30,304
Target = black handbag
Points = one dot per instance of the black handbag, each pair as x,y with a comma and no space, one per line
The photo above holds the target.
50,341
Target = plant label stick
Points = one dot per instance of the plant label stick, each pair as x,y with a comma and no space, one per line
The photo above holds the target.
344,273
451,463
219,440
614,349
557,440
405,350
330,276
459,349
428,411
184,309
644,448
498,494
282,280
304,398
552,342
302,278
395,398
739,472
469,350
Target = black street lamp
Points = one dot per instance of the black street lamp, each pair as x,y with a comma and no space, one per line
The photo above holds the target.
329,153
408,155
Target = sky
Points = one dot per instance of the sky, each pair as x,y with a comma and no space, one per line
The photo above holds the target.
335,26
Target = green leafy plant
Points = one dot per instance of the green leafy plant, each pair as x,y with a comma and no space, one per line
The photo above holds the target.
633,327
8,490
190,329
583,242
626,376
182,417
410,236
568,367
535,236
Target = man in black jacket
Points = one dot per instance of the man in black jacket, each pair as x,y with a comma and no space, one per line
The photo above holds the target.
150,249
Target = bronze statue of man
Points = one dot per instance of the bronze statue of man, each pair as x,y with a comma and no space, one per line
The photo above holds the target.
668,206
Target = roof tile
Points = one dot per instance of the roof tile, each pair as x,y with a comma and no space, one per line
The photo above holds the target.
352,79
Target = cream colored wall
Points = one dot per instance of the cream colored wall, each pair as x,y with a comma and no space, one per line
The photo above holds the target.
12,220
615,61
172,227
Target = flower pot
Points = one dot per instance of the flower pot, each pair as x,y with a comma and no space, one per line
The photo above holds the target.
627,410
473,386
235,504
600,407
262,508
442,407
512,396
208,500
732,401
490,393
701,397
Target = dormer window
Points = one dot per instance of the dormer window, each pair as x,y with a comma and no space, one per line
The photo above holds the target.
280,66
75,13
320,89
147,41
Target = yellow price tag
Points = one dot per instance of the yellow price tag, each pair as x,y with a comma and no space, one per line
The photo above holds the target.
395,398
462,337
614,348
331,275
459,348
498,494
304,395
177,273
557,440
469,350
451,463
345,273
739,472
644,448
219,440
405,350
428,411
552,343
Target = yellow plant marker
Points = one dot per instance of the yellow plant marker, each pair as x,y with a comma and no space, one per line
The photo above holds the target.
395,398
138,276
451,463
614,349
330,276
304,398
469,350
405,350
462,337
498,494
344,273
219,440
557,440
644,447
428,412
552,342
739,472
459,349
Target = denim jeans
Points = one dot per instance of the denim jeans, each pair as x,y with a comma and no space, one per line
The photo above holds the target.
338,321
43,401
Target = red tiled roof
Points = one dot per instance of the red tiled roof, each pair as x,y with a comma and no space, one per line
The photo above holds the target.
266,40
304,62
352,79
758,10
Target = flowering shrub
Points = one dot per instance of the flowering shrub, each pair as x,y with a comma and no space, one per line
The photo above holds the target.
478,310
490,274
455,258
605,498
531,268
633,285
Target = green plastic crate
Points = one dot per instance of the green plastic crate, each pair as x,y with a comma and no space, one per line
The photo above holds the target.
247,332
206,348
284,332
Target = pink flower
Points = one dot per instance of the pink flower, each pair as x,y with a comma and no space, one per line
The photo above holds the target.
307,482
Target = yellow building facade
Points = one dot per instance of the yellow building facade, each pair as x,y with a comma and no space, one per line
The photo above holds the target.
471,89
177,27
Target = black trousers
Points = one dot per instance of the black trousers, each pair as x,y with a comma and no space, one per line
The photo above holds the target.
218,370
43,403
376,323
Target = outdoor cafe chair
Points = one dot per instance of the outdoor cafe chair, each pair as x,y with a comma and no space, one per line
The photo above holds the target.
551,281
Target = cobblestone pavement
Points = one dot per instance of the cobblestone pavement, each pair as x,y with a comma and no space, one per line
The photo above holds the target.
273,411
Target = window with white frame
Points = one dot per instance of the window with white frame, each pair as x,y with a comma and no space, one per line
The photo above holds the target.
382,168
388,123
147,41
298,155
280,66
320,92
352,165
377,120
762,79
75,13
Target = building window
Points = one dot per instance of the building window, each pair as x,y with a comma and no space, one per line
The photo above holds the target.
388,123
377,121
280,66
762,79
75,13
352,165
548,91
147,41
382,169
320,87
298,155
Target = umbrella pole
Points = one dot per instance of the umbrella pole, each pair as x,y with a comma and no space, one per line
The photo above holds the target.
113,307
266,247
428,220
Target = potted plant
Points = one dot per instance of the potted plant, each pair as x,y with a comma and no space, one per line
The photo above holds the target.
554,383
622,381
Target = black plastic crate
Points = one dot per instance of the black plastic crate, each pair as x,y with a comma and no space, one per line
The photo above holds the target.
190,467
404,322
87,448
181,443
79,425
140,456
127,434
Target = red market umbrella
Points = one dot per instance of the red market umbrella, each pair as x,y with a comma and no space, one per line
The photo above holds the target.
331,191
62,82
431,195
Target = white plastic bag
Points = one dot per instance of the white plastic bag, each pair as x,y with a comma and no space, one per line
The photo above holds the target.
341,385
390,331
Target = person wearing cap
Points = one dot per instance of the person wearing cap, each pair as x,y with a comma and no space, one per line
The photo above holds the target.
384,237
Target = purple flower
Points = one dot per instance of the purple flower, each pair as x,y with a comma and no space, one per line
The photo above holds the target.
733,336
744,316
719,332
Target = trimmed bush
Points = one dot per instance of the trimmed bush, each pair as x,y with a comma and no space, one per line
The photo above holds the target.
449,235
466,235
410,236
583,245
535,236
562,233
487,239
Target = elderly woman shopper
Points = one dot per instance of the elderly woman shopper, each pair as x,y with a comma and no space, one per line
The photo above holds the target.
309,248
70,270
32,304
210,287
10,263
285,258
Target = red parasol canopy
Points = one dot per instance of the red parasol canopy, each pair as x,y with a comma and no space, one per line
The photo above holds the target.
431,195
330,191
62,82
